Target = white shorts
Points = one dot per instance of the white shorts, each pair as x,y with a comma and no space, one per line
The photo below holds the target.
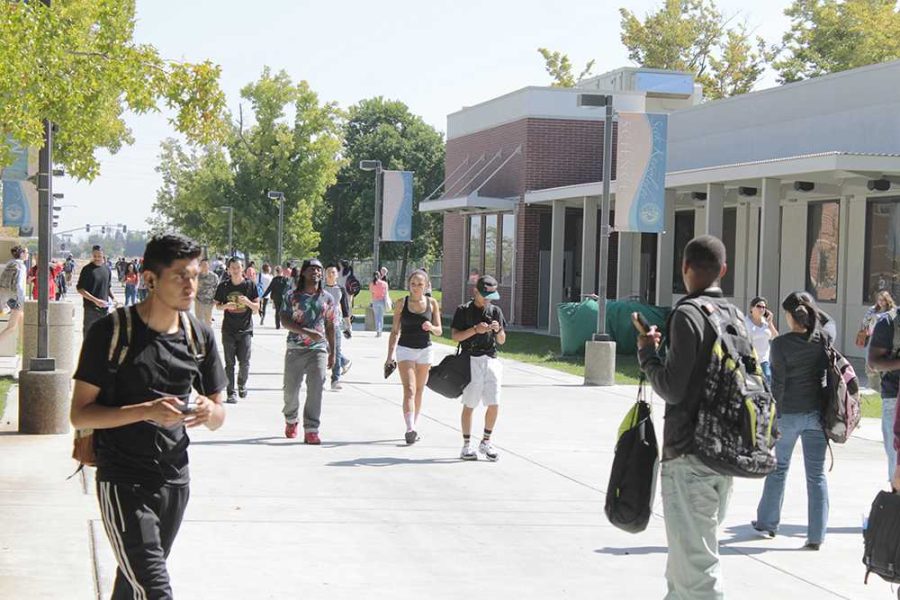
484,385
420,356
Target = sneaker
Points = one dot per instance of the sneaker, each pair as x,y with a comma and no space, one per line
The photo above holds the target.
312,438
812,546
765,533
468,453
486,448
412,437
347,334
232,399
346,367
290,430
336,386
242,392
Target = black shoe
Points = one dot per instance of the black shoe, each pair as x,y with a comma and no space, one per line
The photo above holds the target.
242,392
812,546
347,334
231,399
766,533
412,437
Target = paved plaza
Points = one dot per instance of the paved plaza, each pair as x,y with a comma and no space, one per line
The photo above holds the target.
366,517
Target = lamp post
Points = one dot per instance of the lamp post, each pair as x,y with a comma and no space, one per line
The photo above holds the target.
605,100
280,197
230,210
375,165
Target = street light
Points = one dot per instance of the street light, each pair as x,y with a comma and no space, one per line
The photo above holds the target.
230,210
375,165
606,101
280,197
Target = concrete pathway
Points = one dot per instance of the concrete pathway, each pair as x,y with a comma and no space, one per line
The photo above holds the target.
364,516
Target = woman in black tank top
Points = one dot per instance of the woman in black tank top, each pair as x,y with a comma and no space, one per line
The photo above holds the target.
416,319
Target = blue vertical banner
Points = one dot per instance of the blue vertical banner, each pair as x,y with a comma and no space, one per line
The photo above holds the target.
397,205
20,197
641,172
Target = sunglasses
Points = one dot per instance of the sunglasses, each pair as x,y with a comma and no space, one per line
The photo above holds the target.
761,306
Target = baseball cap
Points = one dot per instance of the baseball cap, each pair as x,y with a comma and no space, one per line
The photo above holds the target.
311,262
487,287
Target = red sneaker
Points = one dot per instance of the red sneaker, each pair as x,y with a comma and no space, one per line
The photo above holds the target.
312,438
290,430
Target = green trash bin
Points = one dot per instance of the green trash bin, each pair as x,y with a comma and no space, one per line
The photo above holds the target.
577,324
620,327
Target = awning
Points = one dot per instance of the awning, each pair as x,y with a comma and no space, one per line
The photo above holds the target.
462,194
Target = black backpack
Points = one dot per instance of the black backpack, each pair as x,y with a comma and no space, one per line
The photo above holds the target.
882,538
735,430
632,480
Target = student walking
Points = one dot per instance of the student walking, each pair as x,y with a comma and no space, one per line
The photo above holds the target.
341,363
695,497
94,286
12,290
237,297
309,315
277,289
884,357
131,282
761,328
140,414
479,328
798,361
379,290
416,319
265,280
884,303
207,283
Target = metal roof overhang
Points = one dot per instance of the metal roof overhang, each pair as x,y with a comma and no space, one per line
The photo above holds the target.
468,204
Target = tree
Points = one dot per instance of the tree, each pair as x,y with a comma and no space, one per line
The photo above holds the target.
297,156
559,67
693,36
827,36
384,130
77,65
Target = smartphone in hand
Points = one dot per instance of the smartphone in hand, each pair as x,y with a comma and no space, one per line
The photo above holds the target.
640,323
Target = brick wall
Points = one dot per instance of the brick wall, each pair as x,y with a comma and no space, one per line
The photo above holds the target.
453,264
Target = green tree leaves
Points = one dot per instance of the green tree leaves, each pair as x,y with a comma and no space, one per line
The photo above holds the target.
559,67
77,65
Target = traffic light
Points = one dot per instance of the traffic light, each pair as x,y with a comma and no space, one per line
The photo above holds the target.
103,230
124,228
87,228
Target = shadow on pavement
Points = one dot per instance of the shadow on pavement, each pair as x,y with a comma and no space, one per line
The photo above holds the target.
633,551
746,533
279,440
390,461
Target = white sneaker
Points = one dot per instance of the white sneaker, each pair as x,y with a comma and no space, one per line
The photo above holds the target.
486,448
468,453
336,386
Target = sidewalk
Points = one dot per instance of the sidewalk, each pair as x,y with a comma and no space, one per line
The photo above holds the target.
364,516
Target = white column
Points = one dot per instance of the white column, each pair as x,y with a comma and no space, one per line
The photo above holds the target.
770,241
665,253
589,246
625,266
850,268
557,235
739,264
715,203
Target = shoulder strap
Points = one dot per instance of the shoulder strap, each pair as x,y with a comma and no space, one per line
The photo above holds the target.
121,337
194,337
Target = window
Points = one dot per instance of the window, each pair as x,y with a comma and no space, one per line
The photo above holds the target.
507,248
882,261
729,235
822,234
684,232
491,251
475,246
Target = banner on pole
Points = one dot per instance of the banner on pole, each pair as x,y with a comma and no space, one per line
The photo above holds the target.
20,196
396,207
641,172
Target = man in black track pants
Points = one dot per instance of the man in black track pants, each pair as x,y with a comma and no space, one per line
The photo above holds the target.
140,410
239,298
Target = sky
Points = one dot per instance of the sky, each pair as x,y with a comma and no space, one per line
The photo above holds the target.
436,56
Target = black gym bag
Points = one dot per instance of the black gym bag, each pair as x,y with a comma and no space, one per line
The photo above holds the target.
451,376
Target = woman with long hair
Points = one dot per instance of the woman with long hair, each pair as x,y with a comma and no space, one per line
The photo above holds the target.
131,283
883,303
416,318
379,290
798,362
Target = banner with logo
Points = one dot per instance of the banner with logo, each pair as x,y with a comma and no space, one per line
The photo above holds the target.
641,172
396,207
20,197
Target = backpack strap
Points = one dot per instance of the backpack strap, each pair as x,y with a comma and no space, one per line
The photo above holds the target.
194,336
121,337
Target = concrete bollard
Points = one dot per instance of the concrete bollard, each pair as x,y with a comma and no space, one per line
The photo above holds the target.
370,318
599,363
61,320
44,401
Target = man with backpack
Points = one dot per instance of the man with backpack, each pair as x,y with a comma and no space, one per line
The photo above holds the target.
133,387
884,357
695,496
12,289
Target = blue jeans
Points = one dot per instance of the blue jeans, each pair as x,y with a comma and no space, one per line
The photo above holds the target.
808,427
378,308
767,372
130,294
888,408
339,359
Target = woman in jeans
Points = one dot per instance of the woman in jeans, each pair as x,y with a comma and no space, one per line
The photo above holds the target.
131,283
379,291
761,328
798,362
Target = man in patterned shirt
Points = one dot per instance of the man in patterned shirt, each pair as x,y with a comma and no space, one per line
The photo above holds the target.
308,313
207,282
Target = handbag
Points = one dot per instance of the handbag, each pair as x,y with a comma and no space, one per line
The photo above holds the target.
450,376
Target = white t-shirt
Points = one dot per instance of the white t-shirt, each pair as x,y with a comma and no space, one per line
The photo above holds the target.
760,336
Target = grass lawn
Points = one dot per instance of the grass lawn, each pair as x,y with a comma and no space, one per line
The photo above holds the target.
543,350
871,405
5,384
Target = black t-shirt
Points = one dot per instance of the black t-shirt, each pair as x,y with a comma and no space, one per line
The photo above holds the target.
94,280
883,337
143,452
466,315
236,321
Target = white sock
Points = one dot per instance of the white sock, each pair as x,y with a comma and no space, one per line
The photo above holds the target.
410,419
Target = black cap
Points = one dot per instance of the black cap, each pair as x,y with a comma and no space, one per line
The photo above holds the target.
487,287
